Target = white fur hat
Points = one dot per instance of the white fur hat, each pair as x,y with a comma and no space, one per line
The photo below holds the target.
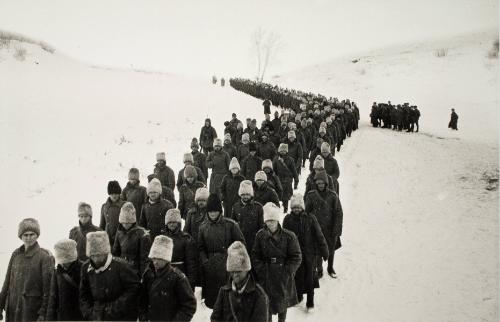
260,175
325,147
271,212
187,157
246,188
162,248
245,138
237,258
201,194
291,134
173,215
283,148
127,214
234,164
65,251
267,164
297,200
98,243
154,186
319,163
160,156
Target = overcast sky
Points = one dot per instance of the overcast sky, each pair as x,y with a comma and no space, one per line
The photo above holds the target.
213,37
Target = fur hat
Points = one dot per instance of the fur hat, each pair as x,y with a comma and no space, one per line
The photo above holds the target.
187,157
325,147
218,142
245,138
267,164
319,163
173,215
321,175
201,194
234,164
154,186
83,206
65,251
133,174
162,248
127,214
213,203
114,188
252,146
297,200
283,148
291,134
237,258
246,188
190,172
271,212
227,137
160,156
194,144
260,175
98,243
28,224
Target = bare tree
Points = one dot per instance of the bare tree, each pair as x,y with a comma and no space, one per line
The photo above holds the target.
266,45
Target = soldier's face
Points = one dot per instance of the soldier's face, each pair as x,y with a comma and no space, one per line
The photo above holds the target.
320,184
272,225
114,197
252,153
238,277
172,226
159,263
235,171
190,179
296,210
246,197
217,148
98,260
127,225
201,203
29,238
153,195
259,182
84,217
213,215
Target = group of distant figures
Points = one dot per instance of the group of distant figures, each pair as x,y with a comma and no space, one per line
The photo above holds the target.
396,117
222,81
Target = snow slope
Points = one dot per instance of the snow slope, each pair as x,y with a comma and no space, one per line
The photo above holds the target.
420,229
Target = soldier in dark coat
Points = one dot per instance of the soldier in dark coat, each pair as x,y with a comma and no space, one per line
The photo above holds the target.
132,242
216,234
248,213
319,166
195,217
267,106
165,293
244,147
26,288
199,159
266,148
453,120
207,137
84,227
295,151
241,299
185,253
229,147
272,179
154,210
64,287
228,191
312,244
252,163
110,210
276,257
315,152
109,288
188,190
133,191
165,173
284,167
263,192
218,161
325,205
331,165
189,161
166,192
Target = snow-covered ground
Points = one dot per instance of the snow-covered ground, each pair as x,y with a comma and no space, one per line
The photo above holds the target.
420,229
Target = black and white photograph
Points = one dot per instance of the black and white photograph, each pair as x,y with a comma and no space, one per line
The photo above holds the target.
241,161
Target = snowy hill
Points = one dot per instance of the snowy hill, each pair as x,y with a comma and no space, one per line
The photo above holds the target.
420,228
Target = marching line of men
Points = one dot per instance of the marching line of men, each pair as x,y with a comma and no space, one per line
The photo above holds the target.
139,264
396,117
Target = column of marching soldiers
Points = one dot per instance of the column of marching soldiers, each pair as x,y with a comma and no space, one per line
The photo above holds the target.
139,264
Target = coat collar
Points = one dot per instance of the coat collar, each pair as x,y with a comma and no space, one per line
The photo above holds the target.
31,251
102,268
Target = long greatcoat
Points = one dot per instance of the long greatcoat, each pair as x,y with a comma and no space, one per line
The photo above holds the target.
250,218
228,192
195,217
133,246
214,238
153,216
136,194
275,259
312,243
218,161
64,294
26,288
110,212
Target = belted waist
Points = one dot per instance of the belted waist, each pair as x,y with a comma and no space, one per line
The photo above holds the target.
275,260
